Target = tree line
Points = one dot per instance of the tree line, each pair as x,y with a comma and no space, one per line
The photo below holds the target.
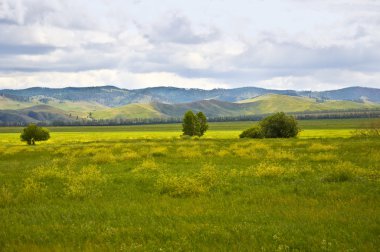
309,115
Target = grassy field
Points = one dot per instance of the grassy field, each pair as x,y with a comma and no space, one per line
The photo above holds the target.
142,188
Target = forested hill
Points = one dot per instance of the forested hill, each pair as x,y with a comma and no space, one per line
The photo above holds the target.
111,96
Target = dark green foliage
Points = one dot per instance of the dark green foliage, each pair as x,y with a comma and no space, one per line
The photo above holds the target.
279,125
202,123
194,125
189,126
34,133
254,132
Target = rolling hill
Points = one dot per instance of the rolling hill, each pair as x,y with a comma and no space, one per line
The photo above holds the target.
34,114
110,96
273,103
213,108
134,110
108,102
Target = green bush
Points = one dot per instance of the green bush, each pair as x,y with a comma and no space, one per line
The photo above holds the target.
254,132
279,125
33,133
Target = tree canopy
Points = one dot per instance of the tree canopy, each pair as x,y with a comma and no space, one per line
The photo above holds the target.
278,125
33,133
194,124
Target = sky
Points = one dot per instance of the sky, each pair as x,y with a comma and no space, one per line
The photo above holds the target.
280,44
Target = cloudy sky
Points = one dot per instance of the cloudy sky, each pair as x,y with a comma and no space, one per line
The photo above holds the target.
282,44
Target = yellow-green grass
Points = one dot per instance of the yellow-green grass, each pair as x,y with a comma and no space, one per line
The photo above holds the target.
56,137
128,111
144,188
273,103
222,130
224,126
6,103
75,108
80,108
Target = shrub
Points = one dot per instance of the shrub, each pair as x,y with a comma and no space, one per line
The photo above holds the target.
254,132
33,133
279,125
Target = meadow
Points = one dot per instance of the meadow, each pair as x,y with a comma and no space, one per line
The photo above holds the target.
144,188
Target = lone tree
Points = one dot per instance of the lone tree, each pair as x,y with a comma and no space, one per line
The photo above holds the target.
194,125
278,125
33,133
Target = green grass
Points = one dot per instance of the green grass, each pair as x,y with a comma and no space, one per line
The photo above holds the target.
80,108
129,111
330,124
142,188
6,103
274,103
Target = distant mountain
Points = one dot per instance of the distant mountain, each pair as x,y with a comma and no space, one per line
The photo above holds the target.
351,93
214,108
111,96
109,102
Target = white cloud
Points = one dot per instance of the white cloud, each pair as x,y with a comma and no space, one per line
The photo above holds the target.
103,77
210,43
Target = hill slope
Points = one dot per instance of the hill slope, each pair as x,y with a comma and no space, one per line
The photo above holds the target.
213,108
273,103
111,96
35,114
128,111
351,93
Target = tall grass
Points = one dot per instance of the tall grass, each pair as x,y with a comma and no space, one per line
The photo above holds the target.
172,194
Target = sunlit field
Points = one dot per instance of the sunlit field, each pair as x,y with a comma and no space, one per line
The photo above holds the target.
138,188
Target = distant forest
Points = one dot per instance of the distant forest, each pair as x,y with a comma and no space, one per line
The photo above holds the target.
312,115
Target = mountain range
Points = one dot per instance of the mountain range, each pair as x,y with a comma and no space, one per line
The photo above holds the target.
109,102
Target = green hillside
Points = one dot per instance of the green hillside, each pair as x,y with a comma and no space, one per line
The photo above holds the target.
75,108
34,114
213,108
273,103
50,109
130,111
6,103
